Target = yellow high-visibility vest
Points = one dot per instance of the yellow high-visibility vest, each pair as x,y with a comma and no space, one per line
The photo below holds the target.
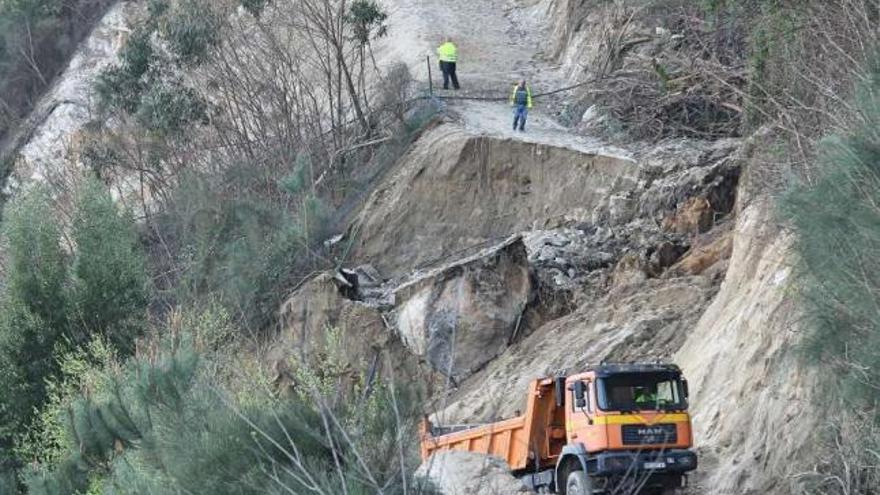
528,95
447,52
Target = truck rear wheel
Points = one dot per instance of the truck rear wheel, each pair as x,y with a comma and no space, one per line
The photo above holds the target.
578,483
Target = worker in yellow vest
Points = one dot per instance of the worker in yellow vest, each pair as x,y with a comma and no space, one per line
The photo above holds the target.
521,101
448,55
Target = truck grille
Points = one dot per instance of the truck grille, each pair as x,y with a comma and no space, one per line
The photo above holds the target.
649,435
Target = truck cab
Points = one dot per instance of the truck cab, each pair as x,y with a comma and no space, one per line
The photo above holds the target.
611,428
625,425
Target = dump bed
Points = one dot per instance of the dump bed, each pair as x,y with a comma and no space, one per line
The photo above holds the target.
505,439
510,439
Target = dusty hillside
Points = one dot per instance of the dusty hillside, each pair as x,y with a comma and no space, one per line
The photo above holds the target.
486,258
733,340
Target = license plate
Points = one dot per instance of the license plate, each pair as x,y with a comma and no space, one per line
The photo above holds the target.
655,465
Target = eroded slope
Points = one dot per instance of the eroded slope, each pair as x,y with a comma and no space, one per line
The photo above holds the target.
455,190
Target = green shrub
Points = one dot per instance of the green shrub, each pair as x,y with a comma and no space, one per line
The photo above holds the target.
54,303
8,483
32,311
109,286
26,362
138,56
36,265
157,8
148,89
237,244
117,88
120,87
168,108
255,7
84,369
191,29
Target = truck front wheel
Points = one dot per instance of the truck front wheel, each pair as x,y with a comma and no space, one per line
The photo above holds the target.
578,483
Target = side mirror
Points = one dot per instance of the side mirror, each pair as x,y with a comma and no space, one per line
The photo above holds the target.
580,399
684,385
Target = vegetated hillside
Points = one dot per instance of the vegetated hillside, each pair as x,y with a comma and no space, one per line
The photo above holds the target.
679,205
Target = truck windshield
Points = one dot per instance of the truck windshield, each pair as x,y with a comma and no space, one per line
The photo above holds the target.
640,392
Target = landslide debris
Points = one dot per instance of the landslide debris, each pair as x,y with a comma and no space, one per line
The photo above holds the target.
467,473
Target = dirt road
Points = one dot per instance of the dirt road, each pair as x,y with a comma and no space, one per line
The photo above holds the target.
499,42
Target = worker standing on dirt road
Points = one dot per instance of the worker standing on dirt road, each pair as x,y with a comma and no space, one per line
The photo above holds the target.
521,101
448,55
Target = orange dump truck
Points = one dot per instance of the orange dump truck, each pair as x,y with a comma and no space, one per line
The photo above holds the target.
614,428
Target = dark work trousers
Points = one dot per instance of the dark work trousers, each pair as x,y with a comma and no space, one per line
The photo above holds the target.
448,70
520,114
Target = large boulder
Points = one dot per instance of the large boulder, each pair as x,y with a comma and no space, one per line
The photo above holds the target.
462,315
321,304
454,472
321,323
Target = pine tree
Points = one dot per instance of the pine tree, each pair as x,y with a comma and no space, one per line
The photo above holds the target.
109,291
32,313
167,427
837,221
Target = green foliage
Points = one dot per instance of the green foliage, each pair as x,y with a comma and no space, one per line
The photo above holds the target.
120,87
236,244
164,425
297,181
117,88
32,311
157,8
37,270
838,226
255,7
53,303
366,16
26,361
137,55
144,85
80,370
8,483
108,280
191,29
169,107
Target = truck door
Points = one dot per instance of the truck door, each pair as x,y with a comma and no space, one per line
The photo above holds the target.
581,418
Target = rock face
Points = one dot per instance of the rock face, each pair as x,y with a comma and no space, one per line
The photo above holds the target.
646,320
318,321
455,318
52,132
466,473
750,393
460,316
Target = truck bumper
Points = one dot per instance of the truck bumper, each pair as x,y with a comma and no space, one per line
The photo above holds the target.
659,462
